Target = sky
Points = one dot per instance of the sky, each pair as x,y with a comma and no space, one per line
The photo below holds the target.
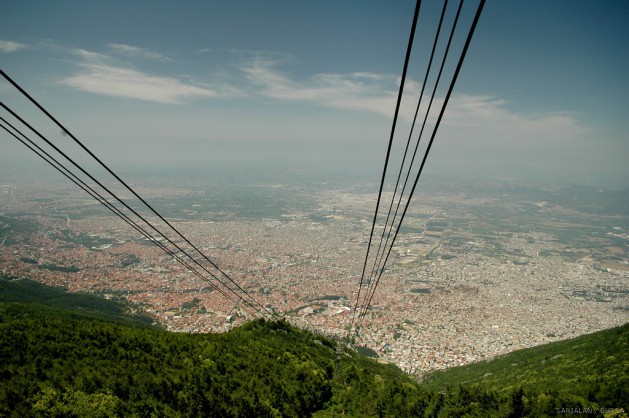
542,92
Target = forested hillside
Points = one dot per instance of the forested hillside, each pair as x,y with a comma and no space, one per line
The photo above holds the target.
24,290
62,363
55,363
589,370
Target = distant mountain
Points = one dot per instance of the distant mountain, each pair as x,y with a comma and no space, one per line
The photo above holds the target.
58,362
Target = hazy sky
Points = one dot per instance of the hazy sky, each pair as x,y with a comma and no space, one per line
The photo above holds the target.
543,89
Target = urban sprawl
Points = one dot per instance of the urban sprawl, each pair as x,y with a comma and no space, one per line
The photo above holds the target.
470,277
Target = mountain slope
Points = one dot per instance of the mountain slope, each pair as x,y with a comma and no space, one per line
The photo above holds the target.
80,362
58,364
590,369
28,291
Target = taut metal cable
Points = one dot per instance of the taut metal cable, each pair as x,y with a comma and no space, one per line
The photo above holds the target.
408,141
126,205
421,132
64,129
94,194
386,161
432,137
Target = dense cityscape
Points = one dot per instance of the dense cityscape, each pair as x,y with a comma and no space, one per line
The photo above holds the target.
473,274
